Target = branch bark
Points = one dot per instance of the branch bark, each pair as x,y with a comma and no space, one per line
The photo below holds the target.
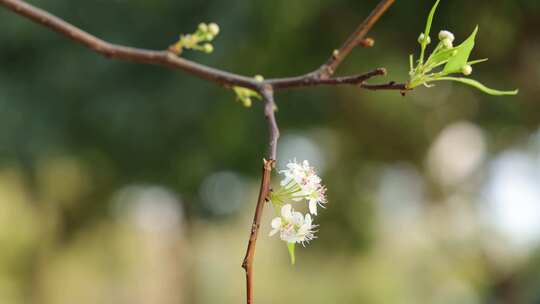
268,165
356,38
223,78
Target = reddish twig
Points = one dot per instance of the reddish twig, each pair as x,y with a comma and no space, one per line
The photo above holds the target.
356,38
269,112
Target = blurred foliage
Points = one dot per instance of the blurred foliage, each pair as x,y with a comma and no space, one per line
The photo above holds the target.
77,128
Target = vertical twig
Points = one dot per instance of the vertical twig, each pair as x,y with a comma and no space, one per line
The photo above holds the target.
268,165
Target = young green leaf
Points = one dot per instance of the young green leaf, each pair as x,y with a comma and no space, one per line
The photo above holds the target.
291,252
245,95
440,57
477,61
478,85
430,18
457,62
427,30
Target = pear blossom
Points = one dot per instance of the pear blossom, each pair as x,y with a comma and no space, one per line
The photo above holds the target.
293,227
301,182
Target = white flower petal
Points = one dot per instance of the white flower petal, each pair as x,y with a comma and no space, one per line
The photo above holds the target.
276,223
286,212
308,220
297,219
313,207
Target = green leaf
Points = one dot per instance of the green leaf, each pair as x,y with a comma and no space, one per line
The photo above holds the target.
440,57
457,62
477,61
430,18
478,85
291,252
427,30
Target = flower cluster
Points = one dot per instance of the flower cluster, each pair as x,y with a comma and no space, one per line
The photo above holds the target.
300,184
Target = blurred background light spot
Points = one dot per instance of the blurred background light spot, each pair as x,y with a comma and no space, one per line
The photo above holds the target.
151,208
400,194
223,193
512,198
456,153
300,147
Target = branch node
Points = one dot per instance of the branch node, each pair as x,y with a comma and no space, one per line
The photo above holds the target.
367,42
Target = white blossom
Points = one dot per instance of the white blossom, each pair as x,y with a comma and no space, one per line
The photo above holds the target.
302,182
293,227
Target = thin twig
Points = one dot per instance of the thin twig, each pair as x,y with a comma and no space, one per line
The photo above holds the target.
356,38
269,112
304,81
386,86
171,60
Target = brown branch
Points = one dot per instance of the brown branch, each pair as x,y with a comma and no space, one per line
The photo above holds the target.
355,39
171,60
304,81
269,112
386,86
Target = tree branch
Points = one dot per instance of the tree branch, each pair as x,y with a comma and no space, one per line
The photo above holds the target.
321,76
355,39
269,112
171,60
306,80
386,86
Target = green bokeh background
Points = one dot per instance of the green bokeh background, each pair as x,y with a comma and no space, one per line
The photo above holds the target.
129,183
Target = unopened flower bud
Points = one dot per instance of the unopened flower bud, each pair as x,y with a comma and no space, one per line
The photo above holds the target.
466,70
447,43
213,28
203,27
423,38
208,48
446,35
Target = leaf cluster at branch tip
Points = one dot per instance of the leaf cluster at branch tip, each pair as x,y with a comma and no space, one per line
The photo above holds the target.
446,59
245,95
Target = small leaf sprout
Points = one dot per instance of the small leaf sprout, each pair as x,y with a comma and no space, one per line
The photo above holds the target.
199,41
